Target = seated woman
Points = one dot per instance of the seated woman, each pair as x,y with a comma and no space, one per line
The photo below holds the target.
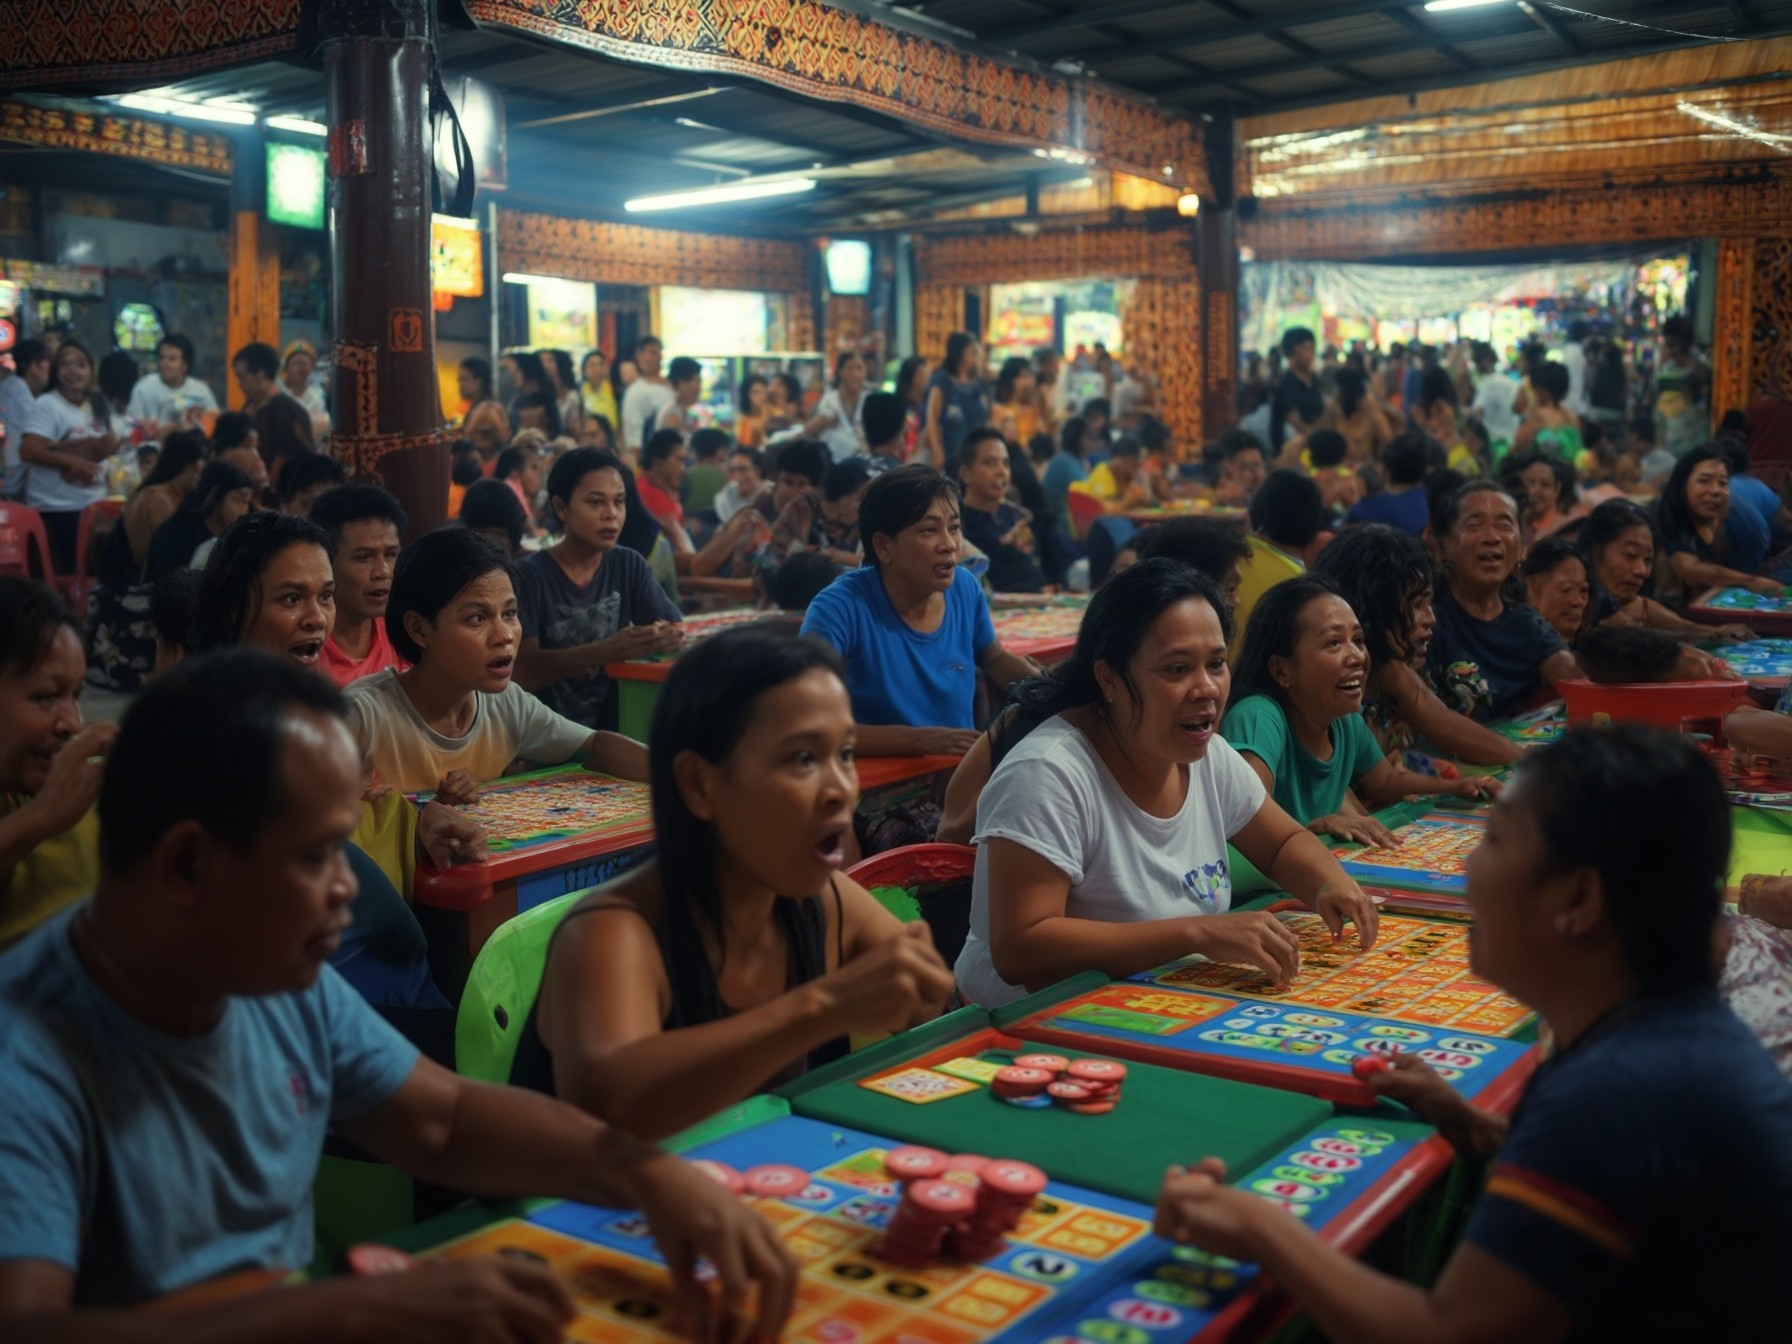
1002,531
587,601
49,764
739,952
1490,654
1386,577
1544,483
1297,719
825,520
1696,549
222,495
1556,584
1102,837
1652,1154
1210,548
457,709
1619,542
119,632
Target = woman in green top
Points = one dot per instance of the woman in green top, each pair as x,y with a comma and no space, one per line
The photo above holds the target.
1298,721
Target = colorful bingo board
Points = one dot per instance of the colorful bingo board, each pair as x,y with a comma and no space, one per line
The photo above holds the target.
1041,632
534,809
1430,857
1080,1263
1757,659
1766,615
1417,972
1535,728
1276,1044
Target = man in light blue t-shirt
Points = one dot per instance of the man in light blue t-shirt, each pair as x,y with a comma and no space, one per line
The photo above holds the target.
913,627
175,1049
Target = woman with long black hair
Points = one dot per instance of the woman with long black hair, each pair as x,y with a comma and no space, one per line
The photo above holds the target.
739,952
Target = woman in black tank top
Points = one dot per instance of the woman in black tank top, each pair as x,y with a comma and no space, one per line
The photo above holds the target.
738,953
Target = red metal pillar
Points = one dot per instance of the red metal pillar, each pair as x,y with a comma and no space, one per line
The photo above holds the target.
377,62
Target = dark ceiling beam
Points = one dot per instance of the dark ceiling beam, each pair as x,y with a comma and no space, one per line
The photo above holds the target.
910,135
1125,37
1288,41
1557,30
1410,21
1744,19
1134,9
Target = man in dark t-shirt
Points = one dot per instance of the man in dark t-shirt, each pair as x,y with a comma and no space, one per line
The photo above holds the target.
1298,401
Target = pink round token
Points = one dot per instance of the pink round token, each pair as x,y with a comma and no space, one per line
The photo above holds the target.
1050,1063
1097,1071
1015,1081
940,1201
1366,1067
369,1260
969,1163
912,1163
722,1174
775,1180
1068,1091
1012,1179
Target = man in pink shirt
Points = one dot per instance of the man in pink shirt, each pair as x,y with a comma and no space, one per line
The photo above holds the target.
365,523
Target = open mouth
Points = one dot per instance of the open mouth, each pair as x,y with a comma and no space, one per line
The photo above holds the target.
376,597
306,652
944,569
1352,685
502,667
830,850
1199,727
608,533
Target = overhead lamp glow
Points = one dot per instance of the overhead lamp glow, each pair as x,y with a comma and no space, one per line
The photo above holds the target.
735,191
297,125
1188,205
229,114
1443,6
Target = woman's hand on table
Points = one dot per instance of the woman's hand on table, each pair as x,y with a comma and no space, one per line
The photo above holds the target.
1346,903
1249,938
1416,1085
1476,786
1350,826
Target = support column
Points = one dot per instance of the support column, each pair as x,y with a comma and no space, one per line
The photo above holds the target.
254,293
1216,228
376,56
1733,326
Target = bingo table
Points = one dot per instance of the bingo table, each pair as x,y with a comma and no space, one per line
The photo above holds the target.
1732,606
557,831
637,682
1284,1043
1760,662
1081,1263
1434,846
1046,634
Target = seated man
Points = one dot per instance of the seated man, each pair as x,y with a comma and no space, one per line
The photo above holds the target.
176,1048
913,627
1289,513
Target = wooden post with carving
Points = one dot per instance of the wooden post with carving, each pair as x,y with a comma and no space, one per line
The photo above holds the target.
1216,227
376,56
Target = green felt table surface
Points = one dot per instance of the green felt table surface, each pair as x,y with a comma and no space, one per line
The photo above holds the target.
1762,843
1164,1117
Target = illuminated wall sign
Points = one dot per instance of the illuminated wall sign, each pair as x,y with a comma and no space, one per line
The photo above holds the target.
456,260
296,185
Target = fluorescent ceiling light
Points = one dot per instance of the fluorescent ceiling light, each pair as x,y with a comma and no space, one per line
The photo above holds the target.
734,191
179,107
297,125
1441,6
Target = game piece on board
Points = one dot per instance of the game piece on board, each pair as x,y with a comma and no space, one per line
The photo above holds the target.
1015,1081
913,1163
722,1174
1067,1091
1050,1063
1366,1067
1097,1071
370,1260
774,1180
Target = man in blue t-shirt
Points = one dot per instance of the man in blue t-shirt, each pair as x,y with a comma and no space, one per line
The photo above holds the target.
175,1049
1643,1189
913,627
1402,504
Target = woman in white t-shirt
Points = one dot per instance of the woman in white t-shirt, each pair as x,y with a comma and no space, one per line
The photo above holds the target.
836,421
67,436
1102,837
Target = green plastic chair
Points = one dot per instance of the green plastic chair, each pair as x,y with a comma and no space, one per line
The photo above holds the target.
501,990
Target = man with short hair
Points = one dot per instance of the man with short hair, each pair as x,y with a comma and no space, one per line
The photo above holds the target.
367,524
20,385
257,370
171,398
646,397
176,1048
1297,400
686,376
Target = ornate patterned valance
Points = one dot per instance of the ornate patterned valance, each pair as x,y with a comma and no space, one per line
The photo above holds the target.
119,134
52,42
1062,254
631,254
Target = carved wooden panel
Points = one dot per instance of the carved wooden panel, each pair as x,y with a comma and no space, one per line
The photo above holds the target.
118,134
1770,326
1062,254
630,254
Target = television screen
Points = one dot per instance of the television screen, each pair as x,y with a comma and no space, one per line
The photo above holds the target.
849,266
296,185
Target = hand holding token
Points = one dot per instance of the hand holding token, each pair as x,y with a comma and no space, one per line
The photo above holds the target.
1249,938
1195,1206
1476,786
447,836
1345,903
897,985
1413,1083
458,788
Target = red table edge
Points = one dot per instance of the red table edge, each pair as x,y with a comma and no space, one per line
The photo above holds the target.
467,886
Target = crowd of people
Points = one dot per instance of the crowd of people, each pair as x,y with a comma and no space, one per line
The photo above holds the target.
307,699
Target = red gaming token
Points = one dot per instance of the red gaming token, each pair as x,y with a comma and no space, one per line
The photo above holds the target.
939,1201
969,1163
1009,1179
1097,1071
773,1181
1015,1081
1366,1067
1090,1107
913,1163
370,1261
1050,1063
722,1174
1068,1091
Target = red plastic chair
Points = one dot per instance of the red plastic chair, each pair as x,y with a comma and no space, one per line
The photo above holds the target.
86,574
22,532
927,882
1085,511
